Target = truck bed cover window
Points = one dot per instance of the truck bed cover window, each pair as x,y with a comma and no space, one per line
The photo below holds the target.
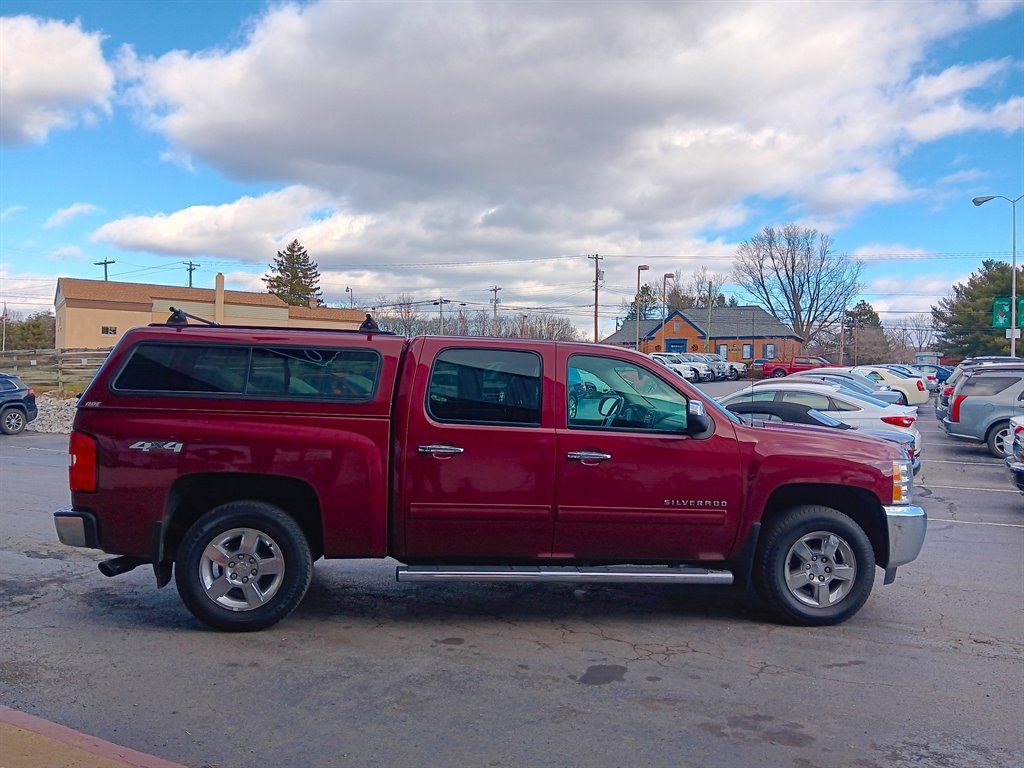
289,372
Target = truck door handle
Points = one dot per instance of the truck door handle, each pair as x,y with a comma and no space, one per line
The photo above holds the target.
587,456
441,450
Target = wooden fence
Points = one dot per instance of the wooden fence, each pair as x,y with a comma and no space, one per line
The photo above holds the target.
63,370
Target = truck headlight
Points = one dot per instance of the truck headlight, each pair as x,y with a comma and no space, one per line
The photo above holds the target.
902,481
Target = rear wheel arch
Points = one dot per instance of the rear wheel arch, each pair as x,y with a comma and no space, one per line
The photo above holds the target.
194,495
994,433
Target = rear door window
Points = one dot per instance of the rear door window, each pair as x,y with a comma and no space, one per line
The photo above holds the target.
485,386
988,385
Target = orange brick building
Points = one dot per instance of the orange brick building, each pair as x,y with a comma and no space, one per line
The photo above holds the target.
736,333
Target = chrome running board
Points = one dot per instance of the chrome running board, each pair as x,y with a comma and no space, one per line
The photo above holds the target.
570,574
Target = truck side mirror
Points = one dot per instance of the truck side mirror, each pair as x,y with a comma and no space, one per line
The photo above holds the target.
698,423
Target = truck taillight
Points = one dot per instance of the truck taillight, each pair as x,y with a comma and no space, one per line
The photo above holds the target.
82,463
954,409
947,391
899,421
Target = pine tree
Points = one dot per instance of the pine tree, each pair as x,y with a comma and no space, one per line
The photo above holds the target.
963,320
294,277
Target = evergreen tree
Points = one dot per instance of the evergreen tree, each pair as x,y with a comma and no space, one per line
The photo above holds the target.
37,331
650,304
963,320
294,277
866,340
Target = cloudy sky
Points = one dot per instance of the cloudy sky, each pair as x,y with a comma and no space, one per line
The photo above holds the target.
443,148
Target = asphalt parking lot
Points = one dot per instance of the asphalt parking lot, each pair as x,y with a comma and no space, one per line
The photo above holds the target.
371,672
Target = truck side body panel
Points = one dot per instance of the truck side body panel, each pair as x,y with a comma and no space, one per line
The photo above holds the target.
147,452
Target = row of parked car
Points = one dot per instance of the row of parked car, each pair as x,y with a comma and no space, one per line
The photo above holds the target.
834,397
698,367
982,401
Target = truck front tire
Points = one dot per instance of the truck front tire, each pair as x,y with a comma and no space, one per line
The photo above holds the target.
815,566
243,566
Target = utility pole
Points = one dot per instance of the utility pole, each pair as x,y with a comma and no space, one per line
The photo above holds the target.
494,320
597,285
441,301
710,287
191,268
104,265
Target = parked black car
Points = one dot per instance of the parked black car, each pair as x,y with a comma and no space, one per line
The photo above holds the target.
17,404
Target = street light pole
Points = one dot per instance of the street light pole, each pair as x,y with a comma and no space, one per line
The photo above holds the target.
636,303
664,308
1013,269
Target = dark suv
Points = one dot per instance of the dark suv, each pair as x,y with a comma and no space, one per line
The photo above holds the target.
17,404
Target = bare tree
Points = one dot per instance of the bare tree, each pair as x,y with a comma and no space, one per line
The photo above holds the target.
703,284
921,331
400,316
794,274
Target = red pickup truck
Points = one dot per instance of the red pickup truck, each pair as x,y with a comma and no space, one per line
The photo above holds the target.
232,458
778,369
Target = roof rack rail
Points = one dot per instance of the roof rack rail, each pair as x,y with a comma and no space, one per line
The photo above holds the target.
181,317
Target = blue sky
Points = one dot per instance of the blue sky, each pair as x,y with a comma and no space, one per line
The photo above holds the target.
439,149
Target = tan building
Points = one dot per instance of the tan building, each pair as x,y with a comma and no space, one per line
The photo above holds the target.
94,314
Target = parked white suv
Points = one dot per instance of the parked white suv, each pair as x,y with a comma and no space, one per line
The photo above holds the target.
687,370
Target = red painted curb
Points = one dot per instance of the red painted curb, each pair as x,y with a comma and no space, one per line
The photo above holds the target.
99,747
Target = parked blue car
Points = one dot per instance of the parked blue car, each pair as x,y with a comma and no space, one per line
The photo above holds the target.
17,404
941,372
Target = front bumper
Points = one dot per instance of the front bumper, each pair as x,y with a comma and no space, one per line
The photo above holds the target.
1016,471
907,527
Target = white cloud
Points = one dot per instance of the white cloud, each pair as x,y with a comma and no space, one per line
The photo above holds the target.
52,75
26,293
247,229
407,135
66,252
179,159
627,107
64,215
11,211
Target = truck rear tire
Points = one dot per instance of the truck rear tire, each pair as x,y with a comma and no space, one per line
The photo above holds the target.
243,566
778,373
815,566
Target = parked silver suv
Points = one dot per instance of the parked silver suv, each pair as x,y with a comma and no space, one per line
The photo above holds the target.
983,402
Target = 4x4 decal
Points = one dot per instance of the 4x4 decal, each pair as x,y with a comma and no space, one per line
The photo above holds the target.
156,445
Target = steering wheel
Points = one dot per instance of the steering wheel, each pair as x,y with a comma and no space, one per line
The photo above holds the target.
634,413
617,401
